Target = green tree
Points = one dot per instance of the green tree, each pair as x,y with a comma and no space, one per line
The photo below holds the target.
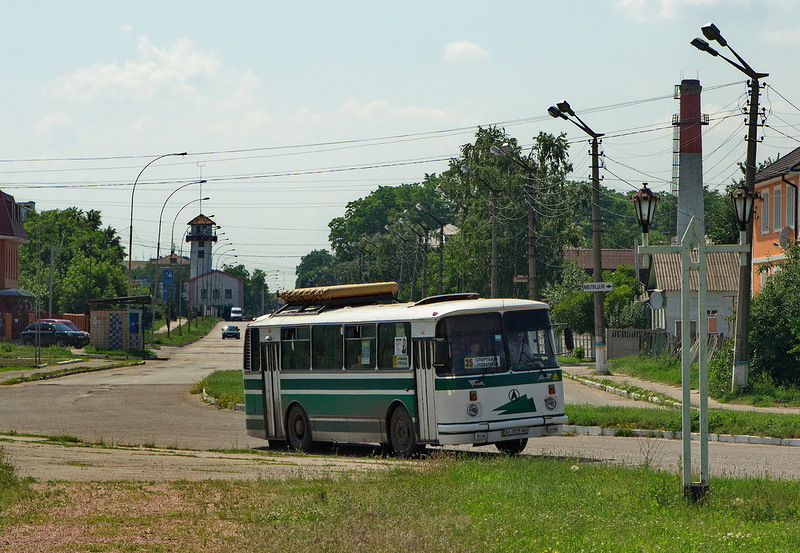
82,249
87,278
775,323
316,269
554,201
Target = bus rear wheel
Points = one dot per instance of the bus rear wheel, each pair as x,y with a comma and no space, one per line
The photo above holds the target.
512,447
402,438
298,429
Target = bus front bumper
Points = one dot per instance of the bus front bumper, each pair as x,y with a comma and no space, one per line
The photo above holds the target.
490,432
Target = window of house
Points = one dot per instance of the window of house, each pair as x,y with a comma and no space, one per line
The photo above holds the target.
204,294
765,205
777,223
216,293
791,205
712,321
228,294
201,254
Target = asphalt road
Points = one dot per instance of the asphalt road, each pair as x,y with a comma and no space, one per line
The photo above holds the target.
150,405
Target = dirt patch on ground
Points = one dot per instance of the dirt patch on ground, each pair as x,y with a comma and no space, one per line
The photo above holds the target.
45,461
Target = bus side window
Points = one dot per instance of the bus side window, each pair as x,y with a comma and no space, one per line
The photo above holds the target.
359,346
394,345
295,348
326,347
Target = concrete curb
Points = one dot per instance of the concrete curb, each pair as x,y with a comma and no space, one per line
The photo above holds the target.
623,393
571,429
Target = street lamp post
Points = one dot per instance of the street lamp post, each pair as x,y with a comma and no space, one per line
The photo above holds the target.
740,358
421,208
507,150
154,288
133,190
693,250
564,111
493,201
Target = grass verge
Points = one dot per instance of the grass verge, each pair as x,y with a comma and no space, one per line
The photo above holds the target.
225,387
469,503
200,326
720,421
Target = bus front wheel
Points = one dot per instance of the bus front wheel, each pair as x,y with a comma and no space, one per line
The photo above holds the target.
512,447
298,429
402,438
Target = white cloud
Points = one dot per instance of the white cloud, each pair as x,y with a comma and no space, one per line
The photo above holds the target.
464,50
644,10
782,37
155,71
53,125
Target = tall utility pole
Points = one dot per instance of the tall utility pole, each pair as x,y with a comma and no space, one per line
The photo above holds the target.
507,150
493,206
741,365
564,111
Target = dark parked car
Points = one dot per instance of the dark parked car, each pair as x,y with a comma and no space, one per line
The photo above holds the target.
68,323
230,331
47,334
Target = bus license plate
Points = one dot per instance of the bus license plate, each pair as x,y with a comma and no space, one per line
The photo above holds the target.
514,431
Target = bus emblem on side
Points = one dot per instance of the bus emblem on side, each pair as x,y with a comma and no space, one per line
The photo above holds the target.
513,395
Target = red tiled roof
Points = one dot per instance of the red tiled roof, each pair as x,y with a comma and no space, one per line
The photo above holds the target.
201,220
11,219
790,163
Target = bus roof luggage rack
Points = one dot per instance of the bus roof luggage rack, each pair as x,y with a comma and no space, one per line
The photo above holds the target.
340,295
448,297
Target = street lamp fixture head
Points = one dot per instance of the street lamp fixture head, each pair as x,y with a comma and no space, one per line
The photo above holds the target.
467,170
711,32
420,207
645,202
387,227
555,112
507,148
701,44
204,199
743,200
565,107
401,220
496,151
407,213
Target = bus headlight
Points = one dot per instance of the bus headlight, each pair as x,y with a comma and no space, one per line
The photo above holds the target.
550,403
473,410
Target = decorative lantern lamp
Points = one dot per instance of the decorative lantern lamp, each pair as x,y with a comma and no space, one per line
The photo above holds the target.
645,201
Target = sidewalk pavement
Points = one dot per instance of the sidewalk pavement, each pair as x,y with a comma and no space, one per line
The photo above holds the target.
173,325
72,366
586,374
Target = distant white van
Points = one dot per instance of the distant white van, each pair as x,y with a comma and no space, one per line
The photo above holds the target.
236,314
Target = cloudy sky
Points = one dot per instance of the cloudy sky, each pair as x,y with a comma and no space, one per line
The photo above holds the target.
291,112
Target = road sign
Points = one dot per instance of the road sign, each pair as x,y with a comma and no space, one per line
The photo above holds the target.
597,286
520,278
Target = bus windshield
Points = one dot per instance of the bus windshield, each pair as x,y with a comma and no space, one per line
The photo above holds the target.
530,340
487,343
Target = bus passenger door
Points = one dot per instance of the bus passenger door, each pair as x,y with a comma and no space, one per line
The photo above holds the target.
270,364
424,376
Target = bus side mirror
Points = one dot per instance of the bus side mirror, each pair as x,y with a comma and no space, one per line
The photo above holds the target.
569,339
441,354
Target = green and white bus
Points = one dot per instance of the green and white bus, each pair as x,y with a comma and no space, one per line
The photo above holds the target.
350,364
